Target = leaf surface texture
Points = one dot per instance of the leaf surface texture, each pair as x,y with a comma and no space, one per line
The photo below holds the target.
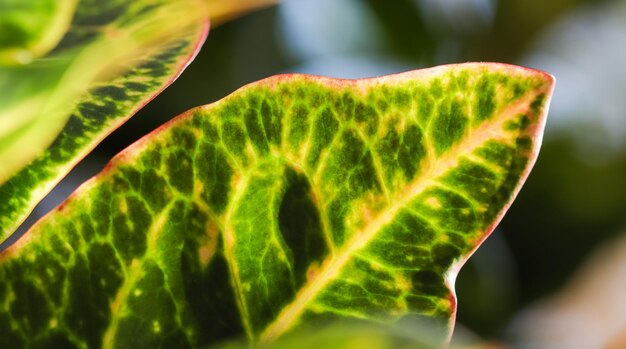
294,201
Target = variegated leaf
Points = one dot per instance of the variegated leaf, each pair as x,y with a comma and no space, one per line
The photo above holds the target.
295,201
116,57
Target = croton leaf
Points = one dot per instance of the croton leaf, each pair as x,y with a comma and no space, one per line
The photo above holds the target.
295,201
116,56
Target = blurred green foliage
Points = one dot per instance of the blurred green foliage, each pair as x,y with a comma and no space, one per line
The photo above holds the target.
29,29
349,335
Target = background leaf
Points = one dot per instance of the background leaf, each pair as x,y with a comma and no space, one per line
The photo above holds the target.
413,335
222,11
116,57
295,201
29,29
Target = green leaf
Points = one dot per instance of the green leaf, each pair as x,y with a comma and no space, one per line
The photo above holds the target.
295,201
116,57
342,335
29,29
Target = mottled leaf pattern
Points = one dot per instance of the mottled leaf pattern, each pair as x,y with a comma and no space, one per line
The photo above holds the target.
295,201
123,53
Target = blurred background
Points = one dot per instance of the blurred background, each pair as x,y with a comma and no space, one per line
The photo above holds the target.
573,201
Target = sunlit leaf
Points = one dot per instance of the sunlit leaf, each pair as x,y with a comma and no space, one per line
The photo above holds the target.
116,57
295,201
29,29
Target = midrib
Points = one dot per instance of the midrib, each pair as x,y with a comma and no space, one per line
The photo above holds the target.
229,241
335,262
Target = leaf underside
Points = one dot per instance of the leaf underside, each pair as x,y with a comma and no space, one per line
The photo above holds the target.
132,62
295,201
